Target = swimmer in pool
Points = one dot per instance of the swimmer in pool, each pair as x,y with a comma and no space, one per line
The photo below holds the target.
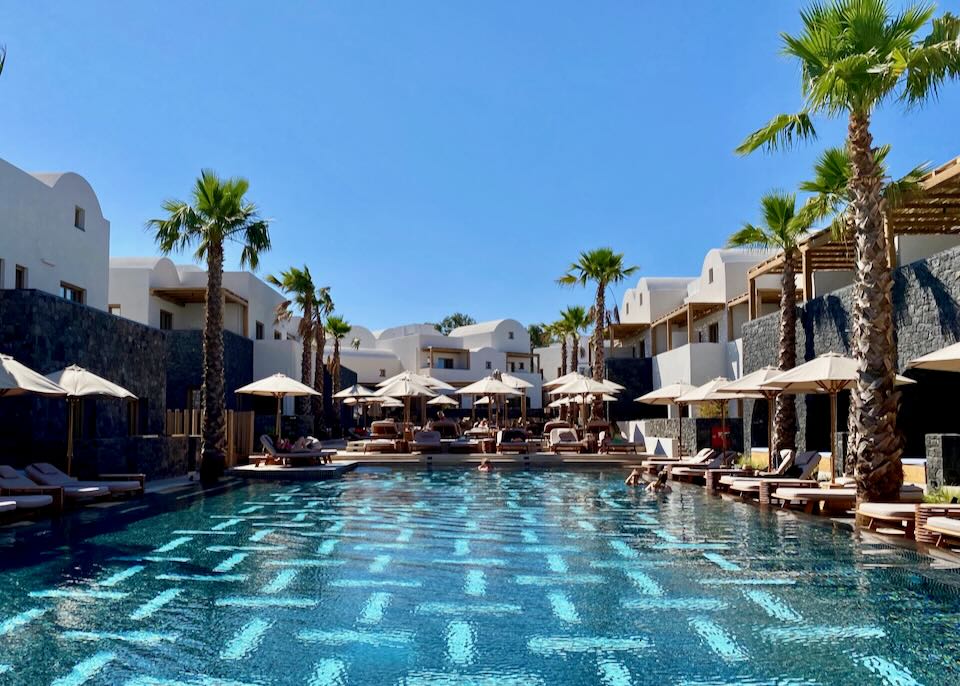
485,465
660,485
635,478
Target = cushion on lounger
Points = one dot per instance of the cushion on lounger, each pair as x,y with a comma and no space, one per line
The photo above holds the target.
946,524
31,502
48,475
7,505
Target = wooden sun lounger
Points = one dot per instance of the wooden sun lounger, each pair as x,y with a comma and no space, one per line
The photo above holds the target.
944,530
927,511
832,498
623,448
380,445
764,488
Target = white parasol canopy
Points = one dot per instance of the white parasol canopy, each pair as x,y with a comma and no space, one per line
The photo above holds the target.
277,386
18,379
943,360
667,395
582,386
565,379
515,381
355,391
420,379
443,400
406,388
488,386
708,392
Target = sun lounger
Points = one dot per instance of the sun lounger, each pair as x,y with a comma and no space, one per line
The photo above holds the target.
512,441
898,518
380,445
655,465
803,469
464,444
46,474
565,441
426,442
295,456
696,472
12,483
945,530
832,498
617,445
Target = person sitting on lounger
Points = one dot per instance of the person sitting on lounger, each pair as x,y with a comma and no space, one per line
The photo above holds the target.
485,465
635,478
660,485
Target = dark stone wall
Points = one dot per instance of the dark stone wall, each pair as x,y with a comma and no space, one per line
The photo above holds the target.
697,432
636,374
184,364
927,317
47,333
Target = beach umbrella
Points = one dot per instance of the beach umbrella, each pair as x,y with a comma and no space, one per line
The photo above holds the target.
521,385
19,379
751,386
489,385
829,373
565,379
582,386
667,395
708,393
277,386
80,383
443,400
420,379
357,393
943,360
406,388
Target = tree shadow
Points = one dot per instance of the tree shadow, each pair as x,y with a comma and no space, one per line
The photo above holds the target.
944,301
819,313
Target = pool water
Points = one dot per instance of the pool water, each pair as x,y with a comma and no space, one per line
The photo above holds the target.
454,577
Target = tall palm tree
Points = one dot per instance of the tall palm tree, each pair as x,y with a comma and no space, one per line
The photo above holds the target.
603,267
323,306
782,228
830,200
298,284
337,327
560,330
854,55
576,320
218,212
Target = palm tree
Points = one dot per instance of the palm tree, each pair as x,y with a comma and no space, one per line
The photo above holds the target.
603,267
576,320
830,200
218,212
3,57
854,55
782,228
337,327
454,321
299,284
323,306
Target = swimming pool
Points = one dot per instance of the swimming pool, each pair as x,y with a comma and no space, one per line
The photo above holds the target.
454,577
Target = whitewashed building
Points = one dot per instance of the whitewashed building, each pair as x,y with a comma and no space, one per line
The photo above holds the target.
53,235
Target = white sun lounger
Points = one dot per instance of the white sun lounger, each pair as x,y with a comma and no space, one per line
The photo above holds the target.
46,474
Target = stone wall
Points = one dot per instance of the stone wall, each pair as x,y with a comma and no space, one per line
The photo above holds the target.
697,432
927,317
48,333
184,364
636,375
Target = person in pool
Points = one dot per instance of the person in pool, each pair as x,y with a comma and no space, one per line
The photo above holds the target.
634,479
660,485
485,465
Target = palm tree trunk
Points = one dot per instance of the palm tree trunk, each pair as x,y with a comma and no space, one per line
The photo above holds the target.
306,361
575,353
600,308
785,420
874,401
563,370
335,375
214,427
318,378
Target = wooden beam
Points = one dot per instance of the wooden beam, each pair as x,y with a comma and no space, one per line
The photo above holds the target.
689,324
891,244
752,297
807,275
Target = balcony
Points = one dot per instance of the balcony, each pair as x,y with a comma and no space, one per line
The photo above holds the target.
697,363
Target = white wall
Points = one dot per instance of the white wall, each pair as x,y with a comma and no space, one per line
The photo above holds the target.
913,248
37,231
278,357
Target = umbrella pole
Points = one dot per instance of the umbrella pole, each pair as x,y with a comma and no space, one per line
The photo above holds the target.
523,407
70,411
833,436
680,430
723,424
279,401
770,399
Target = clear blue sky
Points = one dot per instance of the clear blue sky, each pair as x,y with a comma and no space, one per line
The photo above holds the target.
469,149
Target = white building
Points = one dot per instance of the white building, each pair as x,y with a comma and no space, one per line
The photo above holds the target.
466,355
551,362
691,326
53,236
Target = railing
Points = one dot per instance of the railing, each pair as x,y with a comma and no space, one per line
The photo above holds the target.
239,430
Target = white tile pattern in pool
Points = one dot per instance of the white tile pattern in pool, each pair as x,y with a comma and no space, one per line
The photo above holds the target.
457,578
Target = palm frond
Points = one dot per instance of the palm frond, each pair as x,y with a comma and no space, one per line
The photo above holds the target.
783,131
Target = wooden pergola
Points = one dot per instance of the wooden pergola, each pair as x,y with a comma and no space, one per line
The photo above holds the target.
198,296
933,210
685,315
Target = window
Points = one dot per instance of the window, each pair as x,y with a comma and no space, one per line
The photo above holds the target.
383,373
513,367
72,293
643,348
489,364
710,275
713,332
259,331
79,218
558,372
510,335
277,336
445,363
20,277
521,366
113,309
626,308
133,418
166,320
639,298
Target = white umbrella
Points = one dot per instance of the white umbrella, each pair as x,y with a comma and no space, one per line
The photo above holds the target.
358,394
277,386
489,385
560,402
711,392
443,400
420,379
18,379
667,395
406,388
752,386
483,401
522,385
829,373
565,379
943,360
79,383
391,402
582,386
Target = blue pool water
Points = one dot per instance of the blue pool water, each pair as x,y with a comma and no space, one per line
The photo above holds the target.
454,577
